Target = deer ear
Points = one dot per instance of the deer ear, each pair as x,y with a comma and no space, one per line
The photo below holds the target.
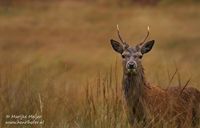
117,46
147,47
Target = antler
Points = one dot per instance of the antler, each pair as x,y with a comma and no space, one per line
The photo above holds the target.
146,36
123,42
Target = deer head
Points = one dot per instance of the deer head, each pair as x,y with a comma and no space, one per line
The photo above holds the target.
132,55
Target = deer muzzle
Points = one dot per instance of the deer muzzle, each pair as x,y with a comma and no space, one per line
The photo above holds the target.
131,66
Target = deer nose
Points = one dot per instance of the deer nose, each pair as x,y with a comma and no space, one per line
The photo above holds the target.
132,65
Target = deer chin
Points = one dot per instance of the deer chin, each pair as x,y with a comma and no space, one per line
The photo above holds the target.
132,71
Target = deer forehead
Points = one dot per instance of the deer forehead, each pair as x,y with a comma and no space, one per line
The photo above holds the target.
131,51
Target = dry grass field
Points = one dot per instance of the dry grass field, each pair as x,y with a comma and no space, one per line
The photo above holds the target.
56,59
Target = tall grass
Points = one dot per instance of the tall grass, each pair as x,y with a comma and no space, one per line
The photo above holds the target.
97,103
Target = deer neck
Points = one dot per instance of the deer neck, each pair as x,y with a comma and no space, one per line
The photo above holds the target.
134,90
134,82
133,86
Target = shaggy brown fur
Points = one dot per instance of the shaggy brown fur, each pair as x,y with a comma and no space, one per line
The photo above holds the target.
148,104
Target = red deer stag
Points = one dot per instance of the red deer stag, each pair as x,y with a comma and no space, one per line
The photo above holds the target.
147,104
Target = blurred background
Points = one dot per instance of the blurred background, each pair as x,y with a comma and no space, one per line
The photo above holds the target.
51,50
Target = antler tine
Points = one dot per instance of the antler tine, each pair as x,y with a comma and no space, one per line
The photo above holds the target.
123,42
118,32
146,36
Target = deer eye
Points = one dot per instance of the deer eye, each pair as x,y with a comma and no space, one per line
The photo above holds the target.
123,56
140,56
